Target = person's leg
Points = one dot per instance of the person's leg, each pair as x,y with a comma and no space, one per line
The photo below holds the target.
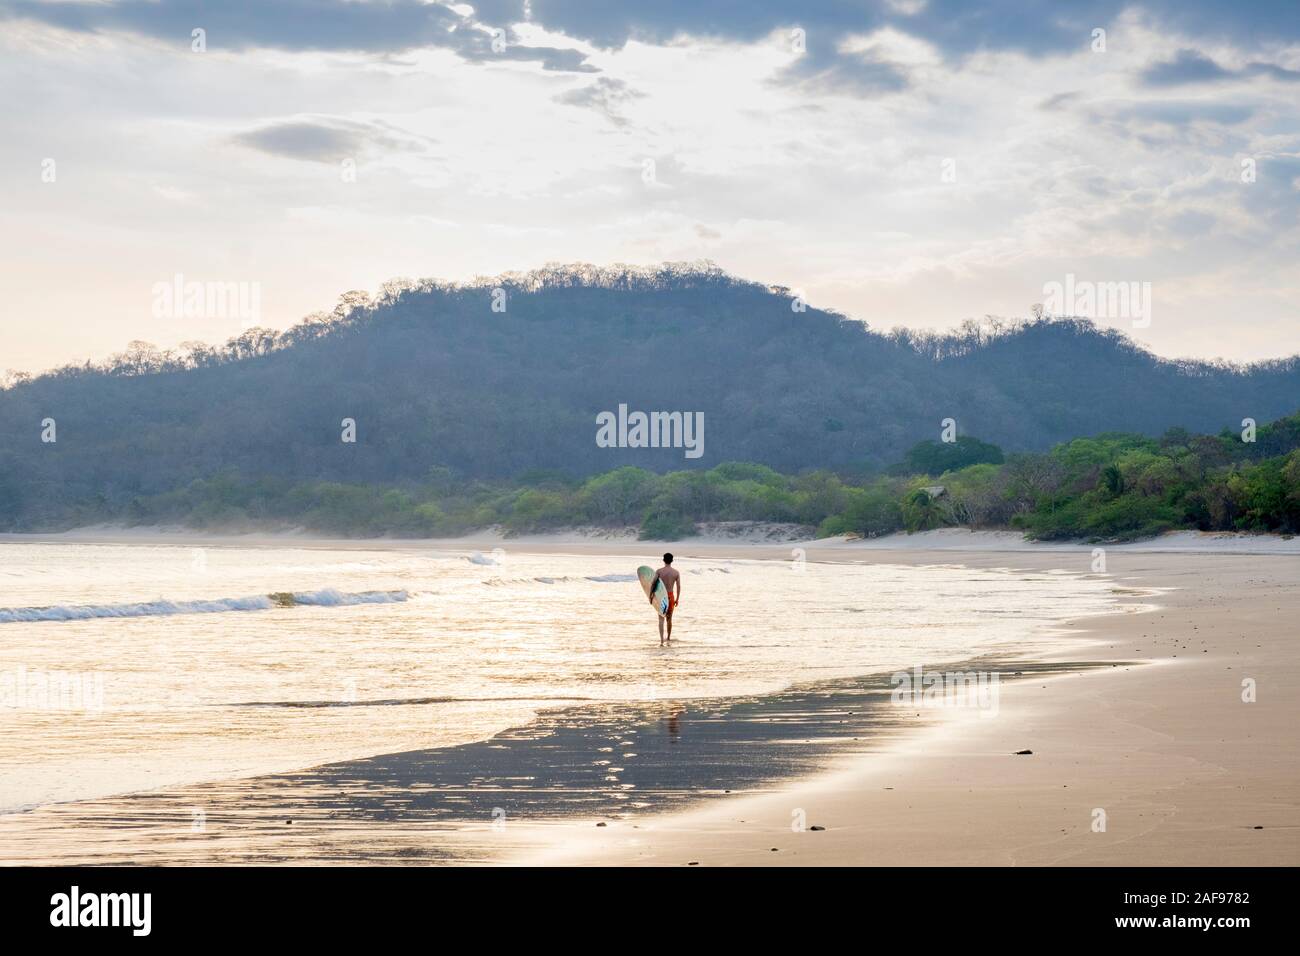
669,618
661,630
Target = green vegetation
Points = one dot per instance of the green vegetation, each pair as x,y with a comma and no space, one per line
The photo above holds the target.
1109,487
937,458
508,401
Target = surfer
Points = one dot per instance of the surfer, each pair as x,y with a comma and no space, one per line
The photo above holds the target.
673,585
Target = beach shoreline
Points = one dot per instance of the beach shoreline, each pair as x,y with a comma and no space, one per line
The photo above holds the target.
1159,764
1181,768
746,537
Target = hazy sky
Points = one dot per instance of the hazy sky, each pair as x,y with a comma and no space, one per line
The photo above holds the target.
905,162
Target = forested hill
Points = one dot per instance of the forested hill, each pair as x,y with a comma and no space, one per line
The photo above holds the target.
436,379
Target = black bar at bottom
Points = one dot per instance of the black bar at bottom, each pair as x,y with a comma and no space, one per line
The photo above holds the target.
300,905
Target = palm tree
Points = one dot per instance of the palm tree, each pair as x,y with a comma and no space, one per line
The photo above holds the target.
923,511
1113,479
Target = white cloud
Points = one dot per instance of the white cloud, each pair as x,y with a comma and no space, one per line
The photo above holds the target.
1063,163
891,46
908,8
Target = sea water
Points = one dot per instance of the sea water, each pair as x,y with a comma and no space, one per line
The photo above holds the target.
133,667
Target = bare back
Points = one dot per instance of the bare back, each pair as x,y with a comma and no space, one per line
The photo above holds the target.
670,577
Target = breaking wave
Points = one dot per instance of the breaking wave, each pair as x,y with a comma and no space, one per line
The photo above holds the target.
327,597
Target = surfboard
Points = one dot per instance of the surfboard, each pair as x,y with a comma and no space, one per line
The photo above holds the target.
647,574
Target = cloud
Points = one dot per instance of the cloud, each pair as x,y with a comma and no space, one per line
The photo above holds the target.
1191,66
1183,112
606,96
393,26
325,140
1059,100
1067,160
1188,66
891,46
956,26
1273,200
1276,72
949,30
869,64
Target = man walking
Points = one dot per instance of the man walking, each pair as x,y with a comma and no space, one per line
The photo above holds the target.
673,585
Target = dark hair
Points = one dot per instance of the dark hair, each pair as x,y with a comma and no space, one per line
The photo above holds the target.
668,558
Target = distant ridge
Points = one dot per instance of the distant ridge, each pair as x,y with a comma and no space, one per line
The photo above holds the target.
436,379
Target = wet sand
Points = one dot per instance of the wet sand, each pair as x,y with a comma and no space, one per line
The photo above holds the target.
601,764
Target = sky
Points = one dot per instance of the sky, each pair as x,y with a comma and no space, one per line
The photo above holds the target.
905,162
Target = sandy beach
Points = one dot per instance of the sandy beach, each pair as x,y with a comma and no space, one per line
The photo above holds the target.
1143,749
1184,770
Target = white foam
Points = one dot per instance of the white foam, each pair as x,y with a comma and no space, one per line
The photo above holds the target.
332,598
328,597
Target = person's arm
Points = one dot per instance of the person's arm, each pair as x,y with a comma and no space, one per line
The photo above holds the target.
652,588
678,582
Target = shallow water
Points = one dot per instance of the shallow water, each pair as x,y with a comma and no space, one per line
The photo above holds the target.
126,668
497,800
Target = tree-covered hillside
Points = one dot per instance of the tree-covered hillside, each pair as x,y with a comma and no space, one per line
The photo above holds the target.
1108,487
439,382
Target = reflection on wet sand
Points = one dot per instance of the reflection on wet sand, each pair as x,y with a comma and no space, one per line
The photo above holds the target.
456,804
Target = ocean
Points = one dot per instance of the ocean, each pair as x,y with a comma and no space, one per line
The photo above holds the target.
130,668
